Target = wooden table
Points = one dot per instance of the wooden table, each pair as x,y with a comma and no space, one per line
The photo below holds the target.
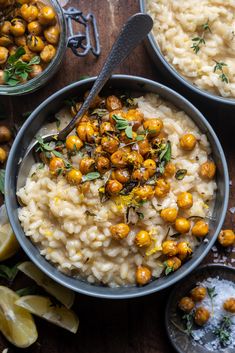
127,326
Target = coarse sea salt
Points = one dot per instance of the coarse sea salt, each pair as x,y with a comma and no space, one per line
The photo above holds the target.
224,290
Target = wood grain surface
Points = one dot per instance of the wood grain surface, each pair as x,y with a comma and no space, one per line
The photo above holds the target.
128,326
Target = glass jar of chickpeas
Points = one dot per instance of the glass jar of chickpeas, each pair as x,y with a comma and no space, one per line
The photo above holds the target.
33,41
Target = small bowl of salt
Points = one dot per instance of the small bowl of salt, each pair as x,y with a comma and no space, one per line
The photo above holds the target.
200,313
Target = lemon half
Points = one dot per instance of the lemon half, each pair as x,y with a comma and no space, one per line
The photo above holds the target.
44,308
8,243
16,323
62,294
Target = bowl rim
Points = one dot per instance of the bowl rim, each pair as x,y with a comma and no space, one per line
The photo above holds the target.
180,78
108,293
169,300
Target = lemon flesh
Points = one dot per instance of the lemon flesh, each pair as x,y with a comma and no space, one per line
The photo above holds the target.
62,294
8,243
16,323
44,308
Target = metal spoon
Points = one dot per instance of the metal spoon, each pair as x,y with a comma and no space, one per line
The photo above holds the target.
132,33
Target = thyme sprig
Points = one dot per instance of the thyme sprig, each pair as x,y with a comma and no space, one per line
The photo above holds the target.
212,294
200,40
123,124
219,66
223,331
188,320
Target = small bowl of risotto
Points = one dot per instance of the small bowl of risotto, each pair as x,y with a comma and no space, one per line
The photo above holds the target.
194,43
131,201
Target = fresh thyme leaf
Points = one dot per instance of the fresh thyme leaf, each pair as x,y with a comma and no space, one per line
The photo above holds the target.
206,26
121,123
2,180
168,269
139,138
219,66
43,146
211,292
129,132
91,176
223,332
188,322
8,273
165,156
13,58
197,42
180,174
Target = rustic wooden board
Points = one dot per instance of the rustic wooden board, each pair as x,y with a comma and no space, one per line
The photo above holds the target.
129,326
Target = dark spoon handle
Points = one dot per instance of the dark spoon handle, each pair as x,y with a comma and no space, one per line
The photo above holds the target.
132,33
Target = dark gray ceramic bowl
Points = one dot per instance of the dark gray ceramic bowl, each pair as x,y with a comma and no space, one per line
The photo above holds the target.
181,341
30,129
173,75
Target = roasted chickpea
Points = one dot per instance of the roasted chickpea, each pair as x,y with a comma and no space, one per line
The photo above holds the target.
3,155
5,27
5,134
182,225
52,34
154,126
135,159
173,263
12,49
185,200
23,1
136,117
2,80
184,250
169,170
151,166
143,239
169,214
229,305
119,159
207,170
169,248
200,229
162,188
3,55
140,174
122,175
125,139
113,187
201,317
73,143
119,112
56,166
35,28
186,304
87,165
35,43
20,41
102,164
46,15
144,193
48,53
119,231
106,126
29,12
113,103
143,275
144,147
226,237
198,294
36,70
109,144
86,132
74,176
188,142
28,54
6,40
17,27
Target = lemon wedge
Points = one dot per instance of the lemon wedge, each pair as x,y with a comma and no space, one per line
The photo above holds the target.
62,294
8,243
16,323
44,308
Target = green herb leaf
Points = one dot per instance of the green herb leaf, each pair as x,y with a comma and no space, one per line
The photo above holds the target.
206,26
129,132
2,180
121,123
211,292
165,156
223,332
140,215
219,66
13,58
8,273
139,138
188,320
180,174
197,43
27,291
100,112
91,176
168,269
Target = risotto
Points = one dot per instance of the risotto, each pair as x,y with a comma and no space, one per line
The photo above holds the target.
197,39
126,198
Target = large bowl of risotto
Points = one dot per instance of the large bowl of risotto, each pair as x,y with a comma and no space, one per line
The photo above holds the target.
131,201
193,43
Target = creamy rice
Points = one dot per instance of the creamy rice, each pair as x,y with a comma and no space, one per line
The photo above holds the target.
177,22
72,229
